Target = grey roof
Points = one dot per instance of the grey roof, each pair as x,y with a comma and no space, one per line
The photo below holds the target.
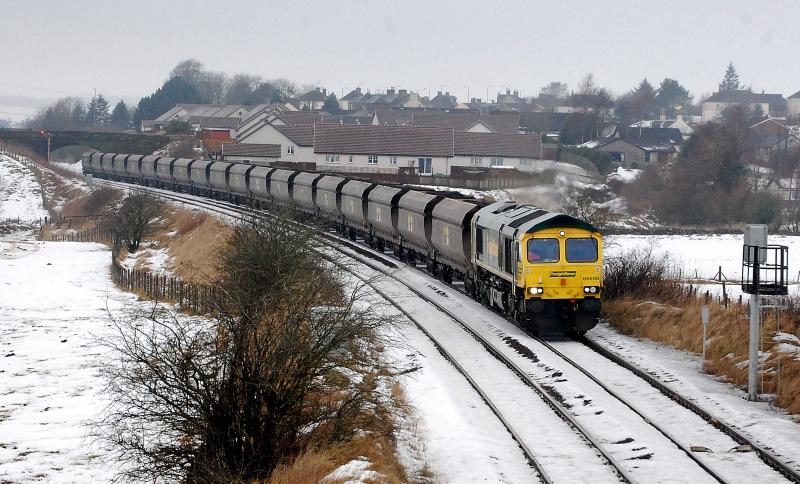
503,123
251,149
214,122
353,95
315,95
646,145
737,97
649,135
795,95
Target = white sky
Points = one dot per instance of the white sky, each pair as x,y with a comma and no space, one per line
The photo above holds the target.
58,48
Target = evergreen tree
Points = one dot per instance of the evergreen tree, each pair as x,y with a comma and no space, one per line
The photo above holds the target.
672,95
97,114
77,117
331,104
175,91
730,82
120,117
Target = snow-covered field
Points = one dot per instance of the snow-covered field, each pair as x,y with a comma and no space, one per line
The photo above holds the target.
701,256
20,194
53,302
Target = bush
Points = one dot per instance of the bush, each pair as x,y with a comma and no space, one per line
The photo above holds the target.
639,274
288,365
135,218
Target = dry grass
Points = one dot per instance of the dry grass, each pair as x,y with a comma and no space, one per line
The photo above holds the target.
195,241
679,325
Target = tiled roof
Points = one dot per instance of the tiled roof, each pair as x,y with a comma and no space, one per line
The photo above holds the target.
737,97
313,95
795,95
353,95
303,135
492,144
251,149
504,123
383,140
214,122
419,141
541,122
650,135
646,145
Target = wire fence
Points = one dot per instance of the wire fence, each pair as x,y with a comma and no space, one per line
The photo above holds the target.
198,298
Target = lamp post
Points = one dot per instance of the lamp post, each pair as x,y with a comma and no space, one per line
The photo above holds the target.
44,133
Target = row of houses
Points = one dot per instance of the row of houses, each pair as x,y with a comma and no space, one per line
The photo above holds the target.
335,145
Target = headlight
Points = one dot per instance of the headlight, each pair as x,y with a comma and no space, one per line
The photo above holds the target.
591,289
536,290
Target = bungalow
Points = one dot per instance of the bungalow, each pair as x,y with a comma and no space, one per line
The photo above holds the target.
635,152
429,150
312,100
184,113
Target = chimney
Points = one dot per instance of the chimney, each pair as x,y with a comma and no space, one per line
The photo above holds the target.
508,91
390,91
324,92
438,93
516,93
446,93
403,92
316,89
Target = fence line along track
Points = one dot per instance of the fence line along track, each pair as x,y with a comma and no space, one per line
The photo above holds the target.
765,455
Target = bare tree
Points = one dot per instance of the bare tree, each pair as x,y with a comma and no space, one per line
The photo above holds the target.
555,89
288,364
584,207
135,218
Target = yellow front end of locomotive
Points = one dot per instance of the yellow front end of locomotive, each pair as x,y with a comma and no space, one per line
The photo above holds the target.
565,264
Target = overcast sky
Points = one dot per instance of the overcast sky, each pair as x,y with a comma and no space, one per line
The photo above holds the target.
59,48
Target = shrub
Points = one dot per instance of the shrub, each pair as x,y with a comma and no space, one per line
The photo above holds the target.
639,274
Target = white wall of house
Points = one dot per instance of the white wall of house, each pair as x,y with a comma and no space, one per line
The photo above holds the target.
479,127
712,111
793,107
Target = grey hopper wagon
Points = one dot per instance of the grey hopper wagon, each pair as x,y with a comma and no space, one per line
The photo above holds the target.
149,168
119,164
382,211
259,180
354,203
95,162
280,185
303,188
329,195
414,219
451,232
164,170
133,167
200,172
180,171
239,179
219,175
107,163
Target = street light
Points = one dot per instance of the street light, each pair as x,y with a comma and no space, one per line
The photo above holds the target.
44,133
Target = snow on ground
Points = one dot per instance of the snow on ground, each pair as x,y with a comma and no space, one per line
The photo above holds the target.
680,371
624,175
153,259
354,472
53,299
702,255
20,193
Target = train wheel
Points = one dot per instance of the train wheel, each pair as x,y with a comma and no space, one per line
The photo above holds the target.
381,247
447,275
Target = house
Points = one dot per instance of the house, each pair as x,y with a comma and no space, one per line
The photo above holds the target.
546,124
250,153
312,100
214,131
430,150
793,106
639,147
183,113
717,103
443,101
349,102
681,123
770,136
459,121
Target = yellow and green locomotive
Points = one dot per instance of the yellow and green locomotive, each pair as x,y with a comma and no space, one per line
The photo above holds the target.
541,267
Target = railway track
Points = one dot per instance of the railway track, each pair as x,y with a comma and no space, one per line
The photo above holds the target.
371,259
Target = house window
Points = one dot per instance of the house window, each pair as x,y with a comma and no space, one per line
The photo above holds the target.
290,149
647,157
350,159
424,166
393,160
476,160
496,162
332,158
372,159
617,156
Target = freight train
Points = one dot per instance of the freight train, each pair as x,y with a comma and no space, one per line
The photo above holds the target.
541,268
